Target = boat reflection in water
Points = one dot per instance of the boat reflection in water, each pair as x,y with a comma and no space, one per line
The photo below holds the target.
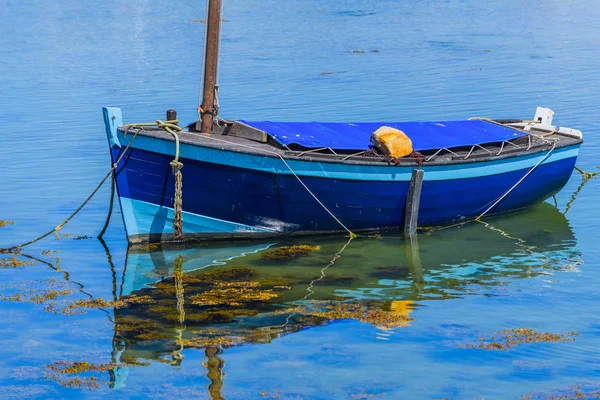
216,296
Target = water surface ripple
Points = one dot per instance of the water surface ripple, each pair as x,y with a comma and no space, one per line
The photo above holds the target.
237,320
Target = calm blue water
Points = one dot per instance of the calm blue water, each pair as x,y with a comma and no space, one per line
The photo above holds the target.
296,60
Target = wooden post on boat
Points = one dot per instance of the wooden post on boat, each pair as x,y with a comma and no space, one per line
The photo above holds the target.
413,200
171,115
211,65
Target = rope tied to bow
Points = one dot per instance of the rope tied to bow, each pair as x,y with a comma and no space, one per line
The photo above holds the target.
177,200
176,166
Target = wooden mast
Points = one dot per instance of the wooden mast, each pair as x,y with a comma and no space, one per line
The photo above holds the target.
211,65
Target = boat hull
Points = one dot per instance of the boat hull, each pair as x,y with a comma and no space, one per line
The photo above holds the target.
231,195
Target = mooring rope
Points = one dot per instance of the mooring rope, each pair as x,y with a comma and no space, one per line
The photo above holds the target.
518,183
110,206
478,219
585,177
352,234
311,285
172,127
16,249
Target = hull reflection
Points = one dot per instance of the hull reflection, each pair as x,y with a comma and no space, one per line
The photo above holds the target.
213,297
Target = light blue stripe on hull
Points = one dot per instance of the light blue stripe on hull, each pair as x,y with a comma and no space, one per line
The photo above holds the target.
384,173
142,218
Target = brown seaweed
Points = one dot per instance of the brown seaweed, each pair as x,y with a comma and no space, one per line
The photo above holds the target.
510,338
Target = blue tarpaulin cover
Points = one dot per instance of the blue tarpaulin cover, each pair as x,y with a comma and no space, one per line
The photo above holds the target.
356,136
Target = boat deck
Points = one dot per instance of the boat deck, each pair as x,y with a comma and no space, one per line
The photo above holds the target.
524,145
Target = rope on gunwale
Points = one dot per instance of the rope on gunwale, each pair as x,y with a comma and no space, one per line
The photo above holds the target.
172,127
16,249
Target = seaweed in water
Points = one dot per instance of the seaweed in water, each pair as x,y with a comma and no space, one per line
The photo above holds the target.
289,252
49,295
13,262
509,338
372,313
4,223
572,392
200,342
80,306
233,294
69,373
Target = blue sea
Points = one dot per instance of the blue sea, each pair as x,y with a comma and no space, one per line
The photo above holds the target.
504,309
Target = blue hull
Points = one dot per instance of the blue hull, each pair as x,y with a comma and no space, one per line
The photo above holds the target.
230,193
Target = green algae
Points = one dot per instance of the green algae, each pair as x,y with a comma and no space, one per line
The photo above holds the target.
510,338
289,252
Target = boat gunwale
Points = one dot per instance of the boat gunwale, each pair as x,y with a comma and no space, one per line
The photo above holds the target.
244,146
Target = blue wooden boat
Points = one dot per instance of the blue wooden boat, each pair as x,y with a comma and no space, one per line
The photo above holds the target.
237,188
258,179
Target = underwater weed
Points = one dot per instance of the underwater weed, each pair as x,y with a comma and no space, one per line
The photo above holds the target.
80,306
509,338
65,373
572,392
35,296
14,262
148,247
141,329
201,342
5,223
368,312
289,252
220,275
232,296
